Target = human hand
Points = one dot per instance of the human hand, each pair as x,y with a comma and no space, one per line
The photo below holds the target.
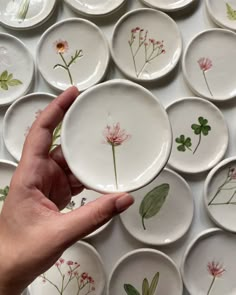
33,232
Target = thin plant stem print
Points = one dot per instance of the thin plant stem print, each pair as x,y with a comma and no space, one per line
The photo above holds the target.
231,13
228,185
3,193
205,65
147,288
70,273
7,80
115,137
61,48
153,202
146,48
200,129
216,271
23,10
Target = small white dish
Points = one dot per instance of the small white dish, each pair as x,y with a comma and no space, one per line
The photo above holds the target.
223,13
209,264
7,169
168,5
25,14
17,69
94,7
152,218
80,267
82,199
145,269
19,118
208,67
200,135
219,194
146,44
66,56
103,136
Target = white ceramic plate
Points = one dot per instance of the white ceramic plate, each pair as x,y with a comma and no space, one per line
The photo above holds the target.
25,14
16,69
94,7
200,135
209,264
223,13
7,168
209,70
107,137
145,267
168,5
148,220
81,266
219,194
82,199
73,52
19,118
146,44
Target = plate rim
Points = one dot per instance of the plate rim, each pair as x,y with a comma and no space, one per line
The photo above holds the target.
146,2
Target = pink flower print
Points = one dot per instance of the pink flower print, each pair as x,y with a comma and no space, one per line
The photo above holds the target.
216,271
205,64
61,260
70,263
84,275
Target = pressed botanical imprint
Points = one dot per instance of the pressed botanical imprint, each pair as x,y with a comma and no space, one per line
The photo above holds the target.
72,204
216,271
70,273
228,185
231,13
144,47
115,136
7,80
23,10
200,129
61,48
3,193
205,65
147,289
153,202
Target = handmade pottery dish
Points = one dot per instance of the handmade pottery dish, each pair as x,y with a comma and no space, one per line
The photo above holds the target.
219,194
19,118
146,44
25,14
209,265
208,68
223,13
107,130
152,218
17,69
66,56
7,168
94,7
200,135
80,270
148,270
168,5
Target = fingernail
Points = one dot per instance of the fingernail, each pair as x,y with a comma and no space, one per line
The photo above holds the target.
124,202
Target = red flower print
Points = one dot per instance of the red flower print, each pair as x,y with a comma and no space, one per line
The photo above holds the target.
84,275
205,64
215,269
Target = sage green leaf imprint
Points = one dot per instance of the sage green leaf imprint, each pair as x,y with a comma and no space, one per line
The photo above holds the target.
231,13
153,202
3,193
154,284
6,81
56,135
130,290
145,287
183,143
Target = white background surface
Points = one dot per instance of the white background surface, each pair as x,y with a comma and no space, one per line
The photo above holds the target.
115,241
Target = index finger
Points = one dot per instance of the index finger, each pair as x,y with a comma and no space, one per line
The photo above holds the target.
39,139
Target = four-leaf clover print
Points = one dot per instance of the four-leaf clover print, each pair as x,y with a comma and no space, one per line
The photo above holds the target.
199,129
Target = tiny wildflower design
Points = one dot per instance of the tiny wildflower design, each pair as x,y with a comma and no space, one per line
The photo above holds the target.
62,47
205,65
115,136
150,48
69,271
227,185
216,271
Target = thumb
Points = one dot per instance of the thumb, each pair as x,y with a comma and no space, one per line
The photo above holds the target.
82,221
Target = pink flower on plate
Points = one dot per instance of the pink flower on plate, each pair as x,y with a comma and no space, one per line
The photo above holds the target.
205,64
70,263
114,135
215,269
